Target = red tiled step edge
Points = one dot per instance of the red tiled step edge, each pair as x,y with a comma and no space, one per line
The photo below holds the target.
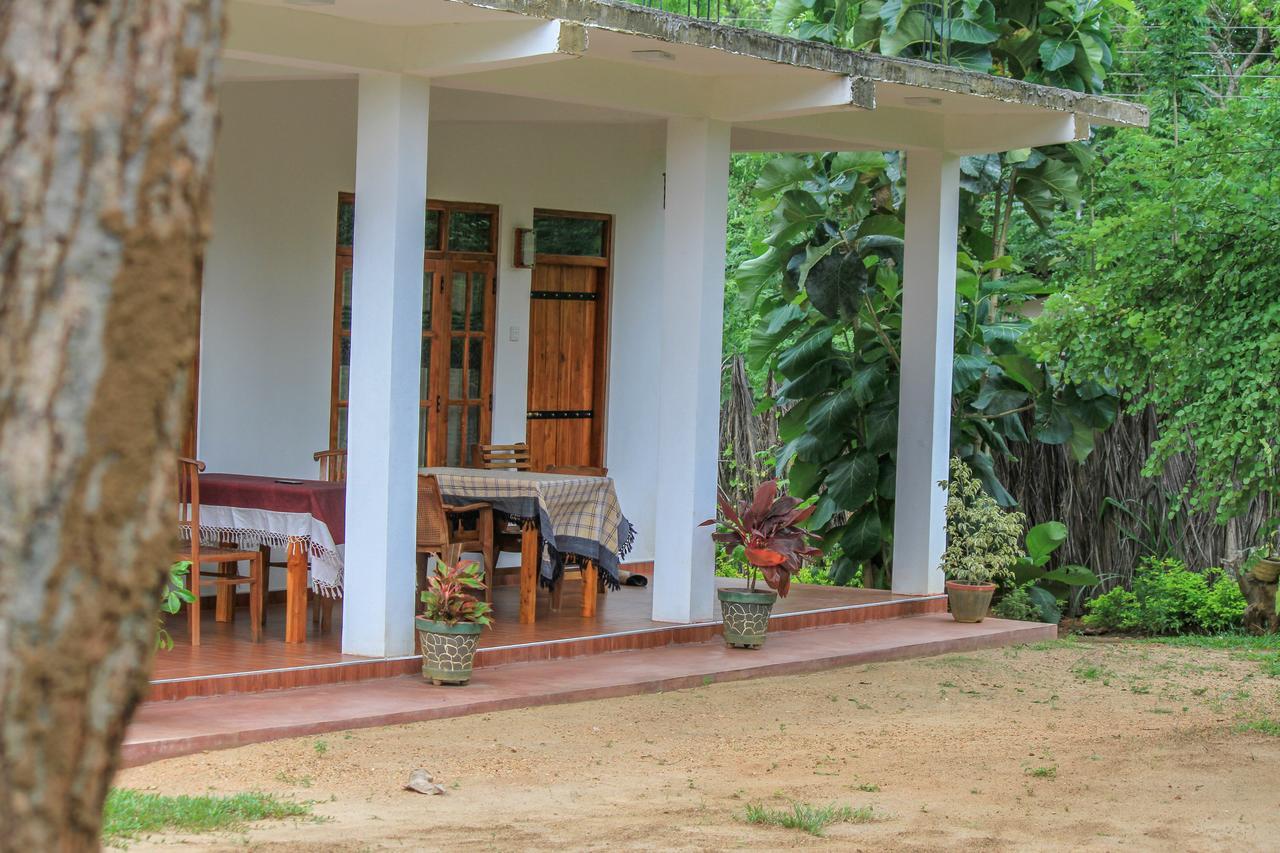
168,729
544,650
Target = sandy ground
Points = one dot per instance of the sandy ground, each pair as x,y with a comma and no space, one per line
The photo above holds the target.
1086,745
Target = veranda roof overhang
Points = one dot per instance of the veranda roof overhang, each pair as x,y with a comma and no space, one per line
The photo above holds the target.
624,62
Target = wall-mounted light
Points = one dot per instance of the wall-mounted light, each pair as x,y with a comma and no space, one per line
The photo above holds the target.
526,248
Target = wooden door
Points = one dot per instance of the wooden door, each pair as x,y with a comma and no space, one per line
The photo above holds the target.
566,369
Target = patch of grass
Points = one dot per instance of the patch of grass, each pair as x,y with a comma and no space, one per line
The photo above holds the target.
1265,726
808,818
1089,673
1043,772
321,747
1265,649
129,814
869,787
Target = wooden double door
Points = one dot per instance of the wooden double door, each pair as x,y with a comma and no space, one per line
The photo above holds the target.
568,342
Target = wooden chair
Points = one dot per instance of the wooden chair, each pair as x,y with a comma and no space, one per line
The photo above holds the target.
226,582
501,457
442,531
333,465
572,561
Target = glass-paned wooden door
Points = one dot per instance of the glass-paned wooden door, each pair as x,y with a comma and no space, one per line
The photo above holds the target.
464,390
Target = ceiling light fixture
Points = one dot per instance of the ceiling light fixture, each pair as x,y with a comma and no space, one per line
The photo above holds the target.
653,55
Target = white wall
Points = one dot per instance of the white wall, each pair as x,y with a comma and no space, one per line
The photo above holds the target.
286,149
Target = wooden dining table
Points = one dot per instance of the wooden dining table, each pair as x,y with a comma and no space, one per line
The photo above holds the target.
559,514
305,517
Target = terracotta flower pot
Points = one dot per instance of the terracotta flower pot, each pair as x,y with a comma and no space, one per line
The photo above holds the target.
447,650
969,602
1266,570
746,616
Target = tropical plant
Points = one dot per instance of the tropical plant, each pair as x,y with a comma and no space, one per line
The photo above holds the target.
765,536
1047,589
982,539
828,285
172,597
446,598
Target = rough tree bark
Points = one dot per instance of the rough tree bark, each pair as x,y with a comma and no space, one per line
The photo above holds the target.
107,117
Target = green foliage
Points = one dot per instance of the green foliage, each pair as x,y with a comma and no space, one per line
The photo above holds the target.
1167,598
446,598
808,818
172,597
1048,588
129,814
1064,44
1018,605
982,538
828,287
1115,610
1181,309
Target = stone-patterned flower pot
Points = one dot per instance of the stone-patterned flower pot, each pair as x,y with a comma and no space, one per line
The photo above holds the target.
447,650
969,602
746,616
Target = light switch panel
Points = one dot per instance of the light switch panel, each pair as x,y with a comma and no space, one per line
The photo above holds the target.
514,334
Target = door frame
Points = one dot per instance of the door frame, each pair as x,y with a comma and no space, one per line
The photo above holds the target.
604,303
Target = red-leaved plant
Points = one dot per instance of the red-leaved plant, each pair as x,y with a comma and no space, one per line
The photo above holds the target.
768,531
446,597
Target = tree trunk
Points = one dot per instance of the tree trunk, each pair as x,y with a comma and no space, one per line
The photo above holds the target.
1260,616
107,115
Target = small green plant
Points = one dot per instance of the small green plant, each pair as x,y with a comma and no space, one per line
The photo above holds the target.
172,597
982,539
446,598
1018,605
1115,610
321,747
1043,772
129,814
808,818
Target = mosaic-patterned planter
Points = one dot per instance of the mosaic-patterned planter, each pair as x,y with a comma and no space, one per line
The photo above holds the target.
447,650
746,616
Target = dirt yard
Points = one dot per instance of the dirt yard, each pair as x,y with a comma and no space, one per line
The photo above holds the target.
1075,744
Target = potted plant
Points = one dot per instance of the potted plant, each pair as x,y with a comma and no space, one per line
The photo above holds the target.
1266,559
982,544
451,621
766,541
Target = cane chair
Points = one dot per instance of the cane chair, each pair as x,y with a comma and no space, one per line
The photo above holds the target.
229,578
585,567
443,531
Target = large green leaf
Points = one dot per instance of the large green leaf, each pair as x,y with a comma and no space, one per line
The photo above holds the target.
1044,539
782,173
782,322
836,283
833,415
806,352
882,426
867,381
857,161
966,369
851,479
861,537
1056,53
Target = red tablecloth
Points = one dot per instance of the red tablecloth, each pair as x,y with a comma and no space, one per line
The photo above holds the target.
324,501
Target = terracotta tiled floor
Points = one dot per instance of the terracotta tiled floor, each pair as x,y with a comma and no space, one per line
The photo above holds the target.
163,729
227,648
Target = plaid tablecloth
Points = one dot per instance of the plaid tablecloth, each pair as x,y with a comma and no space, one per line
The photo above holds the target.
575,514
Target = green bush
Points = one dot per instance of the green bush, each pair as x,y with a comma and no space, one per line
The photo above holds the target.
1017,604
1224,606
1167,598
1116,610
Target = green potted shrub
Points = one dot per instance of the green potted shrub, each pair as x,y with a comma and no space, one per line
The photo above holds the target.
766,541
1266,559
451,621
982,544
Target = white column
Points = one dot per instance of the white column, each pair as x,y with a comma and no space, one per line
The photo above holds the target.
928,338
688,423
386,341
